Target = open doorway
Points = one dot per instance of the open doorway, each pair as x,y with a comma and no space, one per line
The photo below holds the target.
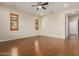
72,26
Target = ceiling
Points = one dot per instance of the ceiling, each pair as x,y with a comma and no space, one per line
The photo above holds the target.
52,7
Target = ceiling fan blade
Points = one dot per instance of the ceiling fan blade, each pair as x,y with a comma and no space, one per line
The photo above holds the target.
43,7
45,3
34,5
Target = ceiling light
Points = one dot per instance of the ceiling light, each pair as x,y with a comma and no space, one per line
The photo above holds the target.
40,6
65,5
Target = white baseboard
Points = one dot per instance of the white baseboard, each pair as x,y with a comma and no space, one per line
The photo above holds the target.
53,36
23,36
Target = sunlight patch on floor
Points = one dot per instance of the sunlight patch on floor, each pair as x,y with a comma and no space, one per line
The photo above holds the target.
37,48
14,51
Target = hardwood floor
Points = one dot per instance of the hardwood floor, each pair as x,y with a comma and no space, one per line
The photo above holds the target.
40,46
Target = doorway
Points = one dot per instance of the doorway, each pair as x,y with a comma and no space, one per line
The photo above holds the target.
72,26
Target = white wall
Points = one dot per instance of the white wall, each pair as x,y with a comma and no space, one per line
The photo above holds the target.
26,24
54,25
51,25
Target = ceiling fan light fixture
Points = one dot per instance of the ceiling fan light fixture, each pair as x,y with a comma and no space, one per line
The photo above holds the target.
40,6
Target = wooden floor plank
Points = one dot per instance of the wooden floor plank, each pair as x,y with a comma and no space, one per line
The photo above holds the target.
40,46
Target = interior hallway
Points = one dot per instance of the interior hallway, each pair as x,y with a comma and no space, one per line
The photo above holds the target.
40,45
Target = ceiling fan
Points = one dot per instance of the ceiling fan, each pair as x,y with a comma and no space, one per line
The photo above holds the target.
40,5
